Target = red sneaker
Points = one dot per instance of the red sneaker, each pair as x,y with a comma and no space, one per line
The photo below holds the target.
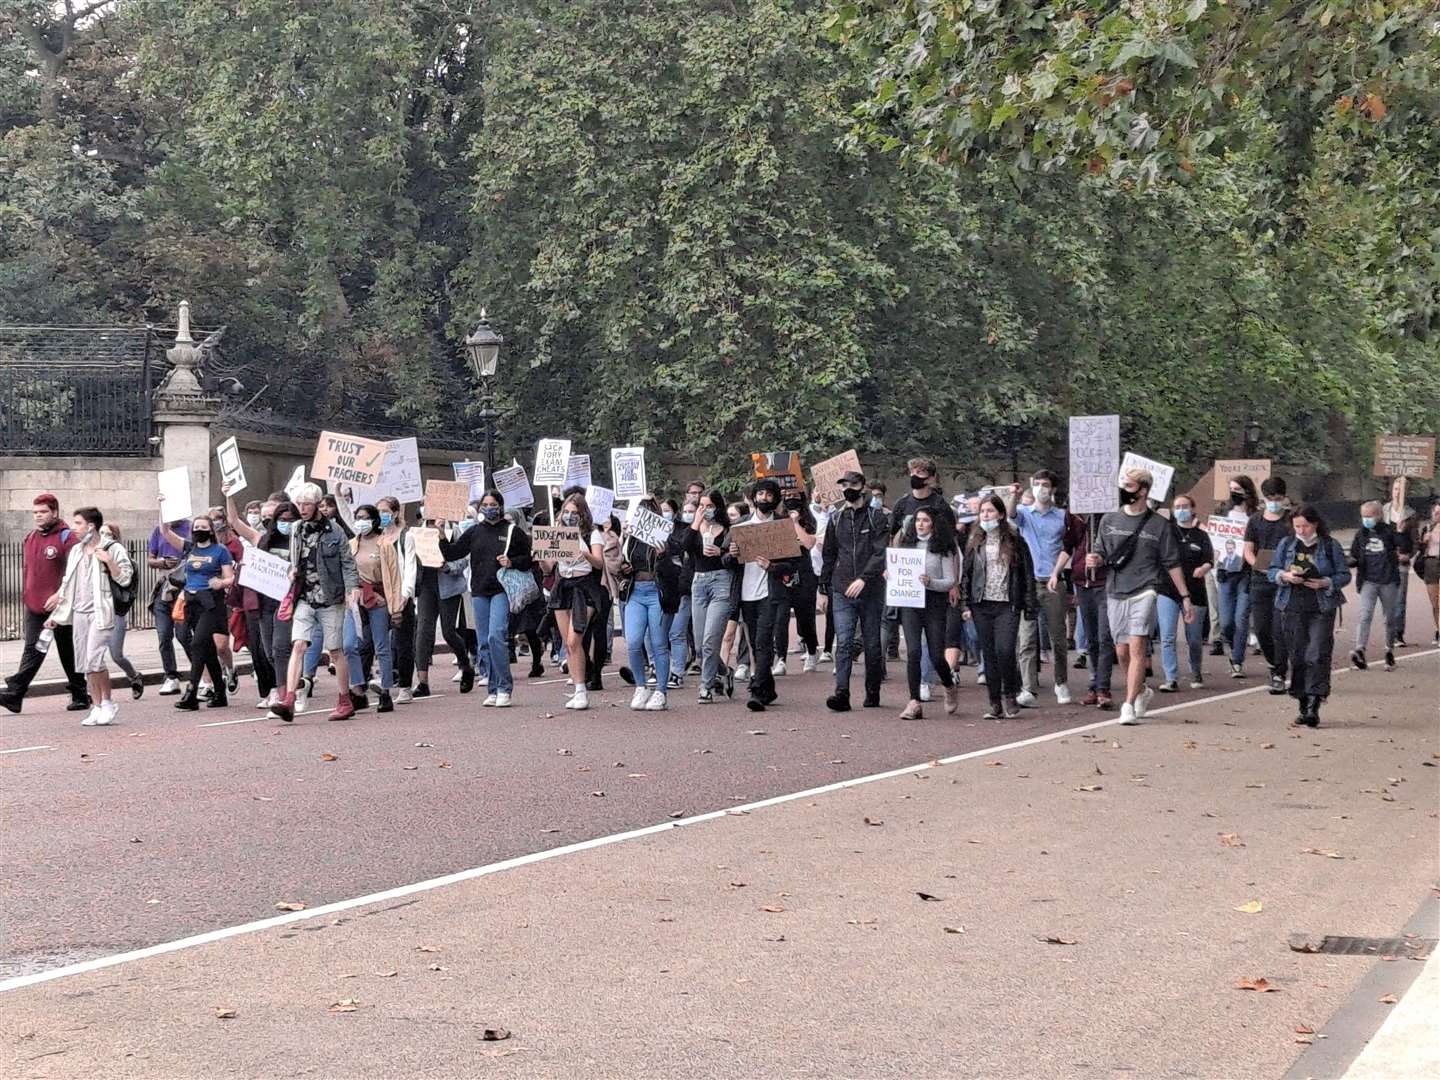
1106,701
344,707
1092,698
285,707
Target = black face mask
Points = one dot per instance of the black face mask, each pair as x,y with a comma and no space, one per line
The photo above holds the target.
1237,498
764,505
918,482
854,494
203,537
1128,497
794,504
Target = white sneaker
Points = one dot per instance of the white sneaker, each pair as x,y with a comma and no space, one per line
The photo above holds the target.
1142,703
810,662
656,703
375,686
980,679
742,673
924,691
777,668
1127,714
824,658
403,696
640,697
1025,699
1197,683
169,686
580,699
1062,694
91,717
458,676
502,700
108,711
302,697
480,680
489,701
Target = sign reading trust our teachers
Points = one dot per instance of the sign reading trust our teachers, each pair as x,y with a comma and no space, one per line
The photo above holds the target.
348,459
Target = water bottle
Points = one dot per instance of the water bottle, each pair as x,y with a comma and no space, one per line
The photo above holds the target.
46,637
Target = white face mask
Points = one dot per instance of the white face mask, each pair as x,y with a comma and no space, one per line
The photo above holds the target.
253,520
1041,492
363,526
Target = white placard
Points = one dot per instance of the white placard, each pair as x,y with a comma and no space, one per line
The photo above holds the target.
577,471
601,502
1094,452
552,461
231,470
399,475
647,526
267,574
1227,538
175,486
903,567
514,486
627,472
295,483
472,473
1162,473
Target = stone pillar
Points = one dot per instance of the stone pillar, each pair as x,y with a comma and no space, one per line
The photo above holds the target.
184,413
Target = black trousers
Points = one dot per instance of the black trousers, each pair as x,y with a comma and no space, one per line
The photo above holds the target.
32,658
929,620
759,618
204,618
997,625
1262,621
801,601
260,644
430,609
402,644
1307,643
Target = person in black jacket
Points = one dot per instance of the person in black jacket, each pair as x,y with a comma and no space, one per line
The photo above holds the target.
763,595
853,576
494,544
997,590
644,592
1375,557
799,591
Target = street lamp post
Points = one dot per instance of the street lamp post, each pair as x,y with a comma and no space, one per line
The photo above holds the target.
1252,439
483,347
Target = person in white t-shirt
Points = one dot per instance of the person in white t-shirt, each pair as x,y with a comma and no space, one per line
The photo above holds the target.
576,597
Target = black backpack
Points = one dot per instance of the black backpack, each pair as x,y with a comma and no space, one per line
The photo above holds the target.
123,596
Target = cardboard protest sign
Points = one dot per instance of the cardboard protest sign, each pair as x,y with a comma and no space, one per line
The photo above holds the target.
825,476
347,459
175,486
577,471
399,475
903,567
601,502
267,574
232,472
473,474
782,466
648,527
295,483
556,542
1405,455
627,472
552,460
1227,469
446,500
1161,472
1228,539
513,484
1094,451
427,547
765,540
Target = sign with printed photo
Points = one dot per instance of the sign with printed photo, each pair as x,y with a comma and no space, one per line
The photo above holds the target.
514,486
577,471
782,466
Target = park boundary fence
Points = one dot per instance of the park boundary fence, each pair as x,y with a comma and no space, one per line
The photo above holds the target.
12,603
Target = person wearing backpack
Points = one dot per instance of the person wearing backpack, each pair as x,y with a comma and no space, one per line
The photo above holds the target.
99,579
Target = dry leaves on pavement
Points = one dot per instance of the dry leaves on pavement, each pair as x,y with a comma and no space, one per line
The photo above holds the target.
345,1005
222,1013
1053,940
329,757
1230,839
1250,907
1260,986
289,905
1320,851
1388,999
873,821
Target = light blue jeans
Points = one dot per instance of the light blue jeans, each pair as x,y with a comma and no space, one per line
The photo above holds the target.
1169,612
677,629
709,612
492,629
374,634
643,621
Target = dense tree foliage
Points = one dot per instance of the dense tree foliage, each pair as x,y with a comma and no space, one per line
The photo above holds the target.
718,227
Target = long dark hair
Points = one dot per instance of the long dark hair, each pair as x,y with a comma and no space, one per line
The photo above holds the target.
1311,513
587,522
1009,538
1252,497
271,537
942,532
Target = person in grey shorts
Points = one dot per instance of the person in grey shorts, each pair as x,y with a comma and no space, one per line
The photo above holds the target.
1137,545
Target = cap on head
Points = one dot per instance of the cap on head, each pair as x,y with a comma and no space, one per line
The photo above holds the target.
853,477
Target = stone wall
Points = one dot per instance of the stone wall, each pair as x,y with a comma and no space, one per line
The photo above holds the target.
123,488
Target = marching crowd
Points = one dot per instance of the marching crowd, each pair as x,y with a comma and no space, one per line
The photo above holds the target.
1012,582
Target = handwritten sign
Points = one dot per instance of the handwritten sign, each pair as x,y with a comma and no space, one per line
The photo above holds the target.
765,540
471,473
627,472
782,466
446,500
1405,455
1228,540
267,574
1094,450
1226,470
577,471
399,475
347,459
513,484
1161,473
601,501
556,543
825,476
232,472
427,547
903,567
552,461
295,483
648,527
175,486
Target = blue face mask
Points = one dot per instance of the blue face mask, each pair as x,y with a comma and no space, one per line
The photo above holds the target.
688,516
1184,517
1368,522
363,526
668,515
461,526
991,525
492,513
877,503
710,514
386,519
1273,507
283,528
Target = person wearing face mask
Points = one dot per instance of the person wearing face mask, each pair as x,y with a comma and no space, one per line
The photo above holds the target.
853,577
763,596
877,498
209,572
711,588
822,603
932,533
233,628
1309,573
800,588
111,533
644,594
997,592
1048,531
735,650
165,557
1256,609
1427,563
1089,582
925,494
367,624
1195,561
575,599
676,573
391,526
269,636
1402,518
439,593
1232,574
1136,546
1375,557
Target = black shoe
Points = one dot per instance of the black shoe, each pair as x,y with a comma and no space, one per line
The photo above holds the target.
137,688
1357,659
189,701
838,702
536,670
218,700
728,682
1277,684
755,705
360,700
422,689
1389,660
387,703
513,658
1217,648
232,681
1312,719
565,668
872,701
10,700
205,692
628,676
594,684
1082,662
1400,641
76,705
1149,672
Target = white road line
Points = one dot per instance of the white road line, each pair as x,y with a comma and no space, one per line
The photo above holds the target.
23,749
22,981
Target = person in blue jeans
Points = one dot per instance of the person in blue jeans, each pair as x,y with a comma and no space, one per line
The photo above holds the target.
1196,554
712,590
369,623
853,576
644,617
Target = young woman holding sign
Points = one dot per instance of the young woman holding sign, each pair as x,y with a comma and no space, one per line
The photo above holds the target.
641,587
934,533
997,590
575,600
712,590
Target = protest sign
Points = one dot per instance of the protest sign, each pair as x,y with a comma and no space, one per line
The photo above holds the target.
473,474
782,466
399,475
347,459
295,483
903,567
427,546
1405,455
1227,469
825,476
446,500
514,485
267,574
577,471
627,472
552,460
601,502
765,540
232,472
647,526
1094,450
1227,538
556,542
1159,471
175,487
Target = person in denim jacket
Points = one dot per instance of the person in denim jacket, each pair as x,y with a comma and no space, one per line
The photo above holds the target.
1310,572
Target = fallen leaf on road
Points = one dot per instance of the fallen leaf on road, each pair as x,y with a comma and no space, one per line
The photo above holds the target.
424,744
435,967
953,929
637,776
1099,771
873,821
444,765
1260,986
757,731
995,764
1303,944
1230,839
1052,940
1090,787
263,798
385,974
780,938
427,948
837,761
225,1014
1304,1029
1320,851
410,768
136,840
1251,907
737,884
345,1005
495,1034
1388,999
1191,744
772,908
928,896
563,752
289,905
549,830
1254,785
1267,746
598,794
677,813
329,757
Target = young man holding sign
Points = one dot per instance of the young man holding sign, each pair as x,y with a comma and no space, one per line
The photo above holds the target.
762,595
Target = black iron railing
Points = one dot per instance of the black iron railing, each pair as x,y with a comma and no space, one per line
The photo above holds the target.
12,603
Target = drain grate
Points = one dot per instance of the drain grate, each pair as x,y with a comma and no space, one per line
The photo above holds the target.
1334,945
